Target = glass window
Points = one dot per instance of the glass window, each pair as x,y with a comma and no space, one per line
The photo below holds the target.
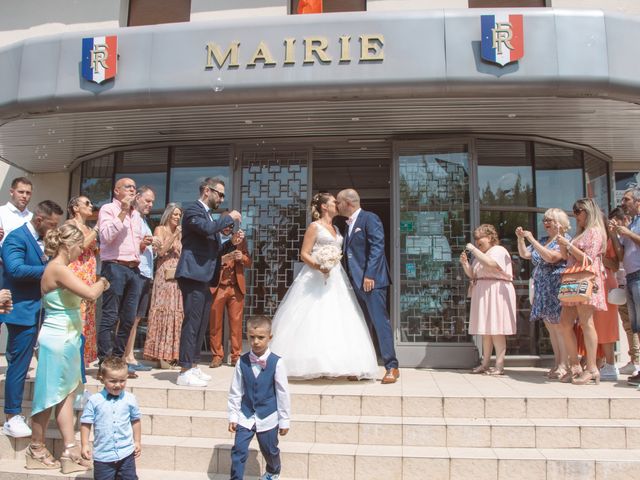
153,12
97,180
596,178
558,176
506,3
146,167
192,164
505,176
299,7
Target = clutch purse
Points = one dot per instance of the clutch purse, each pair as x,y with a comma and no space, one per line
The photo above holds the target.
170,273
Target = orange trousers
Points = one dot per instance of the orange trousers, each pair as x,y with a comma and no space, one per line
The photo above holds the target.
231,297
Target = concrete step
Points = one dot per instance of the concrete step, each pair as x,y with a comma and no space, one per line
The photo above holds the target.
173,456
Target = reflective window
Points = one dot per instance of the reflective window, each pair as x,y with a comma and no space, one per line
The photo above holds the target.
596,178
558,176
505,175
192,164
301,7
97,180
146,167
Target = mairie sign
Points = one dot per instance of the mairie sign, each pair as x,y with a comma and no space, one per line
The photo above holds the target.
502,38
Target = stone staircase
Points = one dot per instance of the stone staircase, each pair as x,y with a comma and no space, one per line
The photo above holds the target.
431,424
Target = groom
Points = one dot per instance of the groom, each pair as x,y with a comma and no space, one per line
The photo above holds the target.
368,271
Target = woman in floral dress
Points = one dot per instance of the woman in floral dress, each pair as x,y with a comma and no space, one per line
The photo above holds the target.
79,210
590,241
164,321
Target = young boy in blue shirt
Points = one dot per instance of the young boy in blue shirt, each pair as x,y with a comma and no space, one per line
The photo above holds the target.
258,401
115,416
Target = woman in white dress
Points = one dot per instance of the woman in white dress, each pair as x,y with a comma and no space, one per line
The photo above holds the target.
319,329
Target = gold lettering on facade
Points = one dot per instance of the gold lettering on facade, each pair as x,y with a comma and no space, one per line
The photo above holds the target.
213,52
317,45
345,51
99,56
289,51
502,35
262,53
371,48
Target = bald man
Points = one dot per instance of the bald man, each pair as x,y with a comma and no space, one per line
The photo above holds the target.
368,271
121,243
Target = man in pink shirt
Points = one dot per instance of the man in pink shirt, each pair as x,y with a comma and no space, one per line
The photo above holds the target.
121,241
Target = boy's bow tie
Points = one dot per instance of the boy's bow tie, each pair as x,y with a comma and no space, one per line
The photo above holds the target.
254,359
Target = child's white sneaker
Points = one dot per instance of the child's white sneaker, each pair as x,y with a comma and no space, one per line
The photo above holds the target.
609,373
270,476
16,427
189,379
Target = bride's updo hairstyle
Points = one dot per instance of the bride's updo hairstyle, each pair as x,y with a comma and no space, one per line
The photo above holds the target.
65,236
317,201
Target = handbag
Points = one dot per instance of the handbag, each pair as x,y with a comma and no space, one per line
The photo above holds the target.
617,296
578,282
170,273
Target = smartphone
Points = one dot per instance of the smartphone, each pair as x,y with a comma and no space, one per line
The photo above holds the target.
236,226
469,255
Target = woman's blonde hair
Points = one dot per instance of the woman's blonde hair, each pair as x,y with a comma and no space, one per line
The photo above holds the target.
559,217
168,211
317,201
489,231
594,219
66,235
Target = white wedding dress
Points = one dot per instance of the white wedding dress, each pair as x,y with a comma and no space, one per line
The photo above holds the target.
319,329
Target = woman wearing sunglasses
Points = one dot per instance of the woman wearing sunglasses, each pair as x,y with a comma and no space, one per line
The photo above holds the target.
590,241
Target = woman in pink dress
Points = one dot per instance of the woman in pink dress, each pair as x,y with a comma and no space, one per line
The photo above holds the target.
591,240
493,298
79,210
164,321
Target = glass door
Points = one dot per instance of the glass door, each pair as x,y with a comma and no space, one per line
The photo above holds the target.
433,225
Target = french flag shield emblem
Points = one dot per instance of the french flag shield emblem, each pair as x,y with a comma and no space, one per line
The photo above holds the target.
99,58
502,38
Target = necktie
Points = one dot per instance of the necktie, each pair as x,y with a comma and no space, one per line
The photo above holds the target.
258,361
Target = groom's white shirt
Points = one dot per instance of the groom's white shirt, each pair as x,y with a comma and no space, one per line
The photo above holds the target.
352,220
279,418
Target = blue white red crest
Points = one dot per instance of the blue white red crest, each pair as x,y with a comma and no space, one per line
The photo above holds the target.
99,58
502,38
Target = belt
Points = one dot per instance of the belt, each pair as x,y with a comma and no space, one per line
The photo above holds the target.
227,285
125,263
632,277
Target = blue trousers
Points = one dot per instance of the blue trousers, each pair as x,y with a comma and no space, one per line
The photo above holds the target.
196,300
124,469
20,345
633,300
374,307
268,442
119,304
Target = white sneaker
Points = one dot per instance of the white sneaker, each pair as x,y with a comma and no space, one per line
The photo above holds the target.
189,379
200,374
609,373
270,476
629,369
16,427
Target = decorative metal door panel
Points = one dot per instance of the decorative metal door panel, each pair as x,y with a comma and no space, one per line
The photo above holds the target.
434,223
274,194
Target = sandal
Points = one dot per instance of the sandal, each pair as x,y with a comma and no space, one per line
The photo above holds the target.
587,377
495,371
558,374
479,370
72,461
574,372
39,458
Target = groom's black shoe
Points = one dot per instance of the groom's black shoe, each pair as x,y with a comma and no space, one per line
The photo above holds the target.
391,376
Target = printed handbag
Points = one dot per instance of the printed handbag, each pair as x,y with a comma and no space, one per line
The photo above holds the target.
578,282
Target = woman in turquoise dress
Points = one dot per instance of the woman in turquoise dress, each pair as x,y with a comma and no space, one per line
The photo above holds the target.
59,367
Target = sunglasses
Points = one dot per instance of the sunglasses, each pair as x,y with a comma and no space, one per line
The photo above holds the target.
578,211
88,203
547,220
220,194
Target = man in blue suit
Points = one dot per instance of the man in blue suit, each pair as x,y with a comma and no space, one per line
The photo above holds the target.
201,247
368,271
24,262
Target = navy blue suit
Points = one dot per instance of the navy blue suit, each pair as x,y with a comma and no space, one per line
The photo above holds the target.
24,264
195,271
364,257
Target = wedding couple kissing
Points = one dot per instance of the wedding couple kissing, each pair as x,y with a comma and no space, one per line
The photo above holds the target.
320,328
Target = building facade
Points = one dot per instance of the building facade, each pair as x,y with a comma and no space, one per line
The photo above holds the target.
398,101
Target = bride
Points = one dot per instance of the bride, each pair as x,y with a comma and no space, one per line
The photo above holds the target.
319,329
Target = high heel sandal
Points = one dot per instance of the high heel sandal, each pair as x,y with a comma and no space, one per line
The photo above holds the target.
587,377
39,458
479,369
73,462
573,372
557,373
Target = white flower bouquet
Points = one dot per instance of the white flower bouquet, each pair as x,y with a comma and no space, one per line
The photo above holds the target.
327,257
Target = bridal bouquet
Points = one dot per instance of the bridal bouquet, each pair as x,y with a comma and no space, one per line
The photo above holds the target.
327,256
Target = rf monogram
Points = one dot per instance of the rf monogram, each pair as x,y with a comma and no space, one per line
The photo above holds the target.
502,35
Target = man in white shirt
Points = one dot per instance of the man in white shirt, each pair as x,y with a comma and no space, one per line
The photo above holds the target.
15,213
